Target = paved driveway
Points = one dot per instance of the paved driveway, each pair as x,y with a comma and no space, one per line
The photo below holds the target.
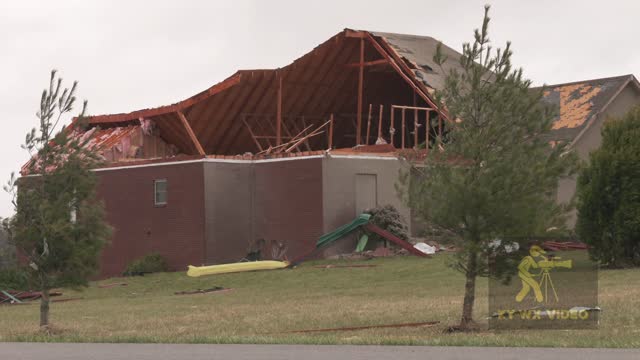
39,351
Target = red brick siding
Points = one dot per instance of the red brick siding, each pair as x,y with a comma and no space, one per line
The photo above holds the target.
175,230
288,203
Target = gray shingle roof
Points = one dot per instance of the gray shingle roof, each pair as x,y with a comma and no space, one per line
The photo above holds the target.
577,102
419,51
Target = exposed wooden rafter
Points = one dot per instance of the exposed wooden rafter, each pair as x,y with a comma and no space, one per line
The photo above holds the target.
192,135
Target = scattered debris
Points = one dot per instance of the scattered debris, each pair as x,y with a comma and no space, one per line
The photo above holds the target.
425,248
344,266
14,297
203,291
389,236
418,324
67,299
382,252
564,246
106,286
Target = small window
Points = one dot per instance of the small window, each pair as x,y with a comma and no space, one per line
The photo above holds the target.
160,189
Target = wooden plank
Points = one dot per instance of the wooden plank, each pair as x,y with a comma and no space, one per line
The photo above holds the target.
411,107
193,137
313,133
360,89
368,125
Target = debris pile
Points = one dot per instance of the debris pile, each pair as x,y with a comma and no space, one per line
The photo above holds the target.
203,291
564,246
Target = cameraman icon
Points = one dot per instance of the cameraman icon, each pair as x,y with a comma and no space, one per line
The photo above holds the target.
528,282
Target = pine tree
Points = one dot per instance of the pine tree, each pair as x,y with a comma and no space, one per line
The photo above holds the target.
59,226
496,175
609,194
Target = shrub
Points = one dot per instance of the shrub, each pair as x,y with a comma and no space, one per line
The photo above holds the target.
13,279
388,218
149,264
609,195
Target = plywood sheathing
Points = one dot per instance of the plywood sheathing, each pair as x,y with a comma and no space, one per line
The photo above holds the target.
576,105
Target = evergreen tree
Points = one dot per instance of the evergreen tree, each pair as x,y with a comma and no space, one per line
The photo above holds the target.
58,227
609,194
496,175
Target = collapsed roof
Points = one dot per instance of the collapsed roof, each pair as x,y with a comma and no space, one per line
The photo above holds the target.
342,76
364,78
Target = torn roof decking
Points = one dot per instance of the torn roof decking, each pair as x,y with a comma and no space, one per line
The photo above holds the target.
578,103
321,82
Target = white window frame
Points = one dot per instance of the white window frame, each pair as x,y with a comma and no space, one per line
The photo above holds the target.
155,192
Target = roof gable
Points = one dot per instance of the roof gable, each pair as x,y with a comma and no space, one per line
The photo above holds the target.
577,103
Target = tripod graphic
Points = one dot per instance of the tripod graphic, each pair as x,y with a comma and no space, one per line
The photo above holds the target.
545,283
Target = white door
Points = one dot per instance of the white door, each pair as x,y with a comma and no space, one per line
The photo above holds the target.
366,192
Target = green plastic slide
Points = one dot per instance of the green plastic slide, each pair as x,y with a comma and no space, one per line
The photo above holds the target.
343,230
362,243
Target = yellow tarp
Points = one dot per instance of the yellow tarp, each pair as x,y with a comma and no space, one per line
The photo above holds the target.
195,271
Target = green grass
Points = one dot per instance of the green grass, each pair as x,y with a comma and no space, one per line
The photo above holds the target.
264,305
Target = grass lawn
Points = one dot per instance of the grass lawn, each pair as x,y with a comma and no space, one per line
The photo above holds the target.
264,305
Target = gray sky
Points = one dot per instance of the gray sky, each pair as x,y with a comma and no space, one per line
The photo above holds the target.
135,54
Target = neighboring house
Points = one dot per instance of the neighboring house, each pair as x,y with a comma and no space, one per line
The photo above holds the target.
583,107
270,160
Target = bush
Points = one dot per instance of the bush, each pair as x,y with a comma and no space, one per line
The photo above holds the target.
609,195
149,264
388,218
13,279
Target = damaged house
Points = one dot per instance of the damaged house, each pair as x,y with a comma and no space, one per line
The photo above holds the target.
583,107
269,160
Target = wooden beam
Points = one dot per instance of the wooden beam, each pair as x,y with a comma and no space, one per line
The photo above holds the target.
368,63
411,82
428,130
402,137
368,125
255,138
360,88
193,137
279,112
260,93
416,124
391,129
355,34
304,138
380,123
331,132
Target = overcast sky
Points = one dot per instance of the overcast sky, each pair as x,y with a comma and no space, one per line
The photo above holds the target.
131,54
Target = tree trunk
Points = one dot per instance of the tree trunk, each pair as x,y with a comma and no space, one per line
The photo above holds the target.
44,308
469,292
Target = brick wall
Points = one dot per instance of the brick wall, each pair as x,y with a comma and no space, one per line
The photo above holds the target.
174,230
